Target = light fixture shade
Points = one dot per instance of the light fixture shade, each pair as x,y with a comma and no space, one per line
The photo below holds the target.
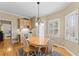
42,23
36,24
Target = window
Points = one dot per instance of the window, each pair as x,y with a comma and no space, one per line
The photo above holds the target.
54,28
71,26
40,29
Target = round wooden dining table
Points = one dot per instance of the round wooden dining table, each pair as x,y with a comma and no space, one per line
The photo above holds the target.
38,42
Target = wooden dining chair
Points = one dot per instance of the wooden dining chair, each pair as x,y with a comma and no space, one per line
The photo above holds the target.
26,47
29,50
44,50
33,50
50,45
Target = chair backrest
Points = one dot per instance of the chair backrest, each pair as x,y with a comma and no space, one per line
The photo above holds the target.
21,52
50,45
25,43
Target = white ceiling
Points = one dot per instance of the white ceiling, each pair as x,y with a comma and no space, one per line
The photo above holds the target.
30,9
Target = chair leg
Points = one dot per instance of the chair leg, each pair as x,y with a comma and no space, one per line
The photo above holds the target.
28,54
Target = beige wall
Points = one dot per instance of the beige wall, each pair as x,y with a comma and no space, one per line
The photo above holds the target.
73,47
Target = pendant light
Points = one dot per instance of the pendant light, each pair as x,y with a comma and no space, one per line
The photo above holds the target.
38,11
38,18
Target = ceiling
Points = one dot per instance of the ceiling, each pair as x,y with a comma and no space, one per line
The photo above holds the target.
30,9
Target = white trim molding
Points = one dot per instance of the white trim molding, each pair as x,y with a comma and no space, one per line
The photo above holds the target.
66,49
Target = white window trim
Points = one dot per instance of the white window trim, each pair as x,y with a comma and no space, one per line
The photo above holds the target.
50,22
73,12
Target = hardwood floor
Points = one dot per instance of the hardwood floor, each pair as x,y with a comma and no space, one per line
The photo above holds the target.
62,51
9,49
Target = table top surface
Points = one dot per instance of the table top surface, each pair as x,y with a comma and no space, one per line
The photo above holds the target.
38,41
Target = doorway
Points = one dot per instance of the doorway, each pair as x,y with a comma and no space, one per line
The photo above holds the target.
6,27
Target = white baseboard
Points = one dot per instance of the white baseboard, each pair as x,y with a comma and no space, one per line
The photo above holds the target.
70,51
66,49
